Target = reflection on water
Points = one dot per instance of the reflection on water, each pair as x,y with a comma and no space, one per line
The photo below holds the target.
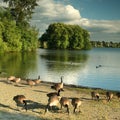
18,64
63,63
63,60
77,67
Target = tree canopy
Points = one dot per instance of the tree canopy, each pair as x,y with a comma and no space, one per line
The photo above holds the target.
21,10
63,36
16,34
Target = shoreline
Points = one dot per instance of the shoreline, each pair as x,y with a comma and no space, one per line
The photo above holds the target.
81,87
91,109
70,85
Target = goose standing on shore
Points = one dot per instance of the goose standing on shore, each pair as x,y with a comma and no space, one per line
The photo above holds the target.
109,96
30,82
53,93
37,81
118,95
95,96
14,79
64,101
11,78
76,103
52,101
20,100
58,86
33,82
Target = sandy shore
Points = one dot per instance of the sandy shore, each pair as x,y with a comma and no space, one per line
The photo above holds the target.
91,110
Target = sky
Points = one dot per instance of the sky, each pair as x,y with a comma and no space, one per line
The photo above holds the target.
100,17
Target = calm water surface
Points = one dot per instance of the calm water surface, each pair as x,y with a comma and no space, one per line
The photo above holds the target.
77,67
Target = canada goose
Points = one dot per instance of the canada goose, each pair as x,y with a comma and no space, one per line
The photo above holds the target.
118,95
58,86
16,80
11,78
20,99
37,81
54,93
109,96
76,102
31,82
95,95
64,101
52,101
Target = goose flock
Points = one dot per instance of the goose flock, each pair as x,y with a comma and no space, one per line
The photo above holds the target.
55,98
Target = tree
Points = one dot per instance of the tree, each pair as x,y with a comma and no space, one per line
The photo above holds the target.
11,36
21,9
76,39
86,36
29,39
63,36
16,34
2,44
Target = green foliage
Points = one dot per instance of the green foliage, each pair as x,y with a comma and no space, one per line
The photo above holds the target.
29,39
11,36
21,9
14,37
62,36
87,43
2,44
5,15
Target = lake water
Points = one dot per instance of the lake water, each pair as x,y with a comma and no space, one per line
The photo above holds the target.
77,67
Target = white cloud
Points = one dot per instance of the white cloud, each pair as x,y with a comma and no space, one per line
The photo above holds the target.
107,26
55,11
71,12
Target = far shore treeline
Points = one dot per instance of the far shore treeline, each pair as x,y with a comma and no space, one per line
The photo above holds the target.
17,35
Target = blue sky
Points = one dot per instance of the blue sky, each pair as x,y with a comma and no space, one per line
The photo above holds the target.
98,9
100,17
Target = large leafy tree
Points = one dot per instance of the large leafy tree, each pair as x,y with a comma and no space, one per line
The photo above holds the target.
11,36
2,45
86,36
29,39
16,37
21,9
63,36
